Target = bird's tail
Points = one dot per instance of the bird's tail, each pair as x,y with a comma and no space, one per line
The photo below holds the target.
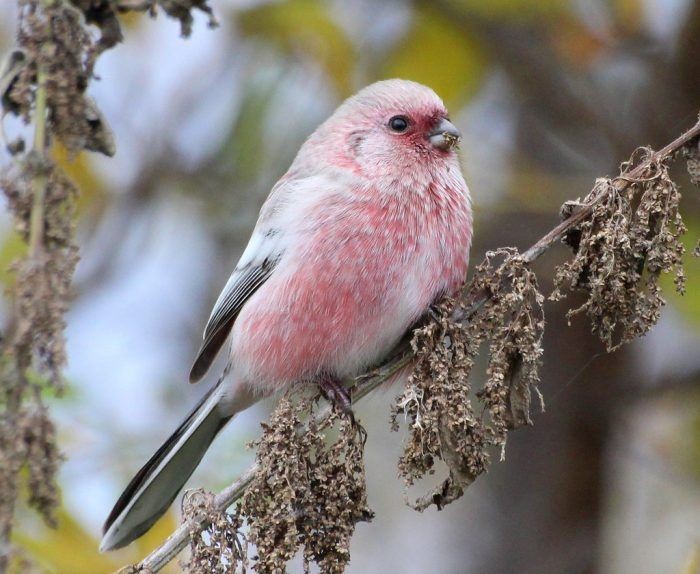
155,486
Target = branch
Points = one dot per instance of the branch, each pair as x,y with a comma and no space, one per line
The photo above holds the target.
36,229
402,356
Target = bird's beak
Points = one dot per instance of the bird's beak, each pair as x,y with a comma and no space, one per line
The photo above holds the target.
445,135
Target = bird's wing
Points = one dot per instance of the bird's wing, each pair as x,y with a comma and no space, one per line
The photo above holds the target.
286,209
264,250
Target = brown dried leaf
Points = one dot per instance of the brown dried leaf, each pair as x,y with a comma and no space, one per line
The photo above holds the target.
182,10
12,66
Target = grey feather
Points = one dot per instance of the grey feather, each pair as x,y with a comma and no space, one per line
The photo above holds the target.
242,284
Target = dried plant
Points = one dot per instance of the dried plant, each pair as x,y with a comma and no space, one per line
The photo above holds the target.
44,82
220,547
309,491
621,251
56,52
42,286
42,202
437,403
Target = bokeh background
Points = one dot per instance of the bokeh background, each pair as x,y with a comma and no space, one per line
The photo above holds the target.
549,95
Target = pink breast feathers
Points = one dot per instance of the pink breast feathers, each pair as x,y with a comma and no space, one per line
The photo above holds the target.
360,275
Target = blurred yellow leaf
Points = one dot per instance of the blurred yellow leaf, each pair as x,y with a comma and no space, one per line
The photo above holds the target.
305,27
70,549
82,174
692,564
629,15
438,54
512,9
13,247
689,303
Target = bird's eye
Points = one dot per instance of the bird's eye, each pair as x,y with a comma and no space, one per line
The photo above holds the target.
399,123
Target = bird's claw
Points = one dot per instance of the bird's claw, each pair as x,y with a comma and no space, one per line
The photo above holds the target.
339,396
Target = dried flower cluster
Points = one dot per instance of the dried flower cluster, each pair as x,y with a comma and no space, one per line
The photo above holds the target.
103,14
34,353
309,492
44,82
220,548
620,252
182,10
54,50
27,440
43,279
438,404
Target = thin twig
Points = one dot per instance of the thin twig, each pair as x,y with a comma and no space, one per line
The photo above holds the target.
402,356
36,227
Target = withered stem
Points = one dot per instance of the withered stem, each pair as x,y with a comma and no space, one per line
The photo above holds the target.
36,228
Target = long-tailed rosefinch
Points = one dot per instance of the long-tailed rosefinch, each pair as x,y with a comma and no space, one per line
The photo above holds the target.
371,224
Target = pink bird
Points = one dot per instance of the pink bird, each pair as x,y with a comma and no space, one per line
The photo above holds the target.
370,226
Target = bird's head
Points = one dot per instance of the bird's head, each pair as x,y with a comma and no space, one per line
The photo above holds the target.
399,115
390,129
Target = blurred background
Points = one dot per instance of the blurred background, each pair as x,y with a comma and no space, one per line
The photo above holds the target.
549,95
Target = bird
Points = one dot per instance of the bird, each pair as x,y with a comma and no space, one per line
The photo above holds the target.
370,226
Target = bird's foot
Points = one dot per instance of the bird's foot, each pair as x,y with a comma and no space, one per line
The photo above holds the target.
337,394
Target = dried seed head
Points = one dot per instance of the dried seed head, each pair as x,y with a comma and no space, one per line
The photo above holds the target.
308,494
622,249
42,289
43,457
59,53
182,10
27,440
437,403
34,355
220,548
44,80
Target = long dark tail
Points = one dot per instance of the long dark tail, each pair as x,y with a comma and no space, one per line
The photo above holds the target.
155,486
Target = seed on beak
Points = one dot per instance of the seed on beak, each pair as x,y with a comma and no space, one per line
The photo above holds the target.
445,135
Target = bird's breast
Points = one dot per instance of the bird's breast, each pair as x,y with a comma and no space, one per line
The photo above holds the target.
360,272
